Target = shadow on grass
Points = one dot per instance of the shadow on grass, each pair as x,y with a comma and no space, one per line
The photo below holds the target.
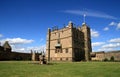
37,63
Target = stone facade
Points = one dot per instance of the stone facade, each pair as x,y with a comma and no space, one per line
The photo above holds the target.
100,56
69,43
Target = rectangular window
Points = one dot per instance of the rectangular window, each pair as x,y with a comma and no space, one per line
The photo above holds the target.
61,51
55,50
50,58
58,50
66,58
61,59
66,50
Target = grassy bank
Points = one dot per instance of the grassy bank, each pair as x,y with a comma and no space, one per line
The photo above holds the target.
71,69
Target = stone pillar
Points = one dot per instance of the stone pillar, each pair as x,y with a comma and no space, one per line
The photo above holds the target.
33,55
40,59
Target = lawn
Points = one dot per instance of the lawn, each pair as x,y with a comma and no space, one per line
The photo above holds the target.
66,69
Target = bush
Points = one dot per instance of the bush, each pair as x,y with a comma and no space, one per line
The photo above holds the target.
105,59
112,58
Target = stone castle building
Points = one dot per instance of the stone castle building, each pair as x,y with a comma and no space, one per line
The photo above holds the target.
69,43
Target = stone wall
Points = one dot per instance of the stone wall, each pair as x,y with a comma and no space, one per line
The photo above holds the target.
65,41
10,55
102,55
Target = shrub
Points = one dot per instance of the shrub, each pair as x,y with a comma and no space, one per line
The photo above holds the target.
105,59
112,58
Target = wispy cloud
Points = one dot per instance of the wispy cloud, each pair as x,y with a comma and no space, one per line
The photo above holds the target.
38,48
28,49
97,44
41,39
106,29
94,33
111,44
91,13
17,41
106,49
113,23
1,35
115,40
116,24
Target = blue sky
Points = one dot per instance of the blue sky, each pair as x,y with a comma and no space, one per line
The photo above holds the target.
24,23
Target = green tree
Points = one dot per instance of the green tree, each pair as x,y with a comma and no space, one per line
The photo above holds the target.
106,59
112,58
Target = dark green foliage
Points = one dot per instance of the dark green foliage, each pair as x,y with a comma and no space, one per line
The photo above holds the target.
112,58
106,59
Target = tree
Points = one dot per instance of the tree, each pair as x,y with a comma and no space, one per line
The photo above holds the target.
105,59
112,58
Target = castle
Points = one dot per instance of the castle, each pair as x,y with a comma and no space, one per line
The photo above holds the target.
69,43
66,44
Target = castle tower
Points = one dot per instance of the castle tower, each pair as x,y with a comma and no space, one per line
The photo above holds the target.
69,43
87,41
59,44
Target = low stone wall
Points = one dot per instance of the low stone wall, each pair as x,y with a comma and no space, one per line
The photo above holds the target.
20,56
102,55
14,56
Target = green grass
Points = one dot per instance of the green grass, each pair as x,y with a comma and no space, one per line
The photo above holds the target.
68,69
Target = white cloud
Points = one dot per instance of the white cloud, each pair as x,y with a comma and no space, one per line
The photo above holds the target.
94,33
24,49
106,29
115,40
118,26
1,35
105,49
111,45
17,41
17,45
90,13
37,48
41,39
113,23
97,44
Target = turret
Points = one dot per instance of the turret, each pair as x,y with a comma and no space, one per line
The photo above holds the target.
70,24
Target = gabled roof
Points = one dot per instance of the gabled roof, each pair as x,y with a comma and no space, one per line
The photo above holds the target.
6,45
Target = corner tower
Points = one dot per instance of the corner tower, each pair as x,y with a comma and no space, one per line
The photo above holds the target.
87,41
